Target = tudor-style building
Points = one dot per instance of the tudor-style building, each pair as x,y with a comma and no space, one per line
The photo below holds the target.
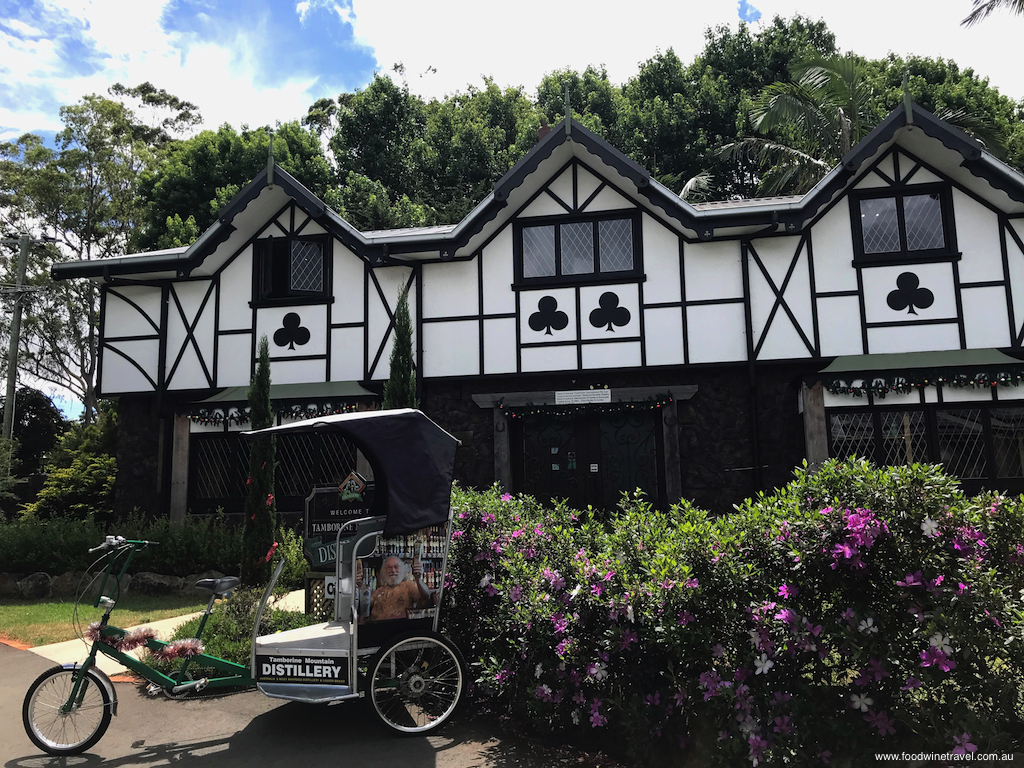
584,331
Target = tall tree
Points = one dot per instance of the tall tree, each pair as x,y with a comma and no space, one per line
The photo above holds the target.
198,176
400,388
38,425
84,193
260,506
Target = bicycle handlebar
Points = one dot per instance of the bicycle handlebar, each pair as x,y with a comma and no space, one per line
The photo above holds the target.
114,542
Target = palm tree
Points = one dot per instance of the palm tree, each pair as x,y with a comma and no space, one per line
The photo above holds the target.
805,127
982,9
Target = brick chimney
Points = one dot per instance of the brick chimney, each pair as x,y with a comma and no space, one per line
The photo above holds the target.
544,129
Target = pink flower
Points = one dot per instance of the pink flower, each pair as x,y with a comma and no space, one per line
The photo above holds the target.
561,623
685,618
787,591
933,656
515,593
653,699
595,590
881,721
875,669
911,580
718,651
912,684
782,725
506,497
963,745
628,637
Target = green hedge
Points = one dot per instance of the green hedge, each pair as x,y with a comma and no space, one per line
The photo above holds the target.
56,545
855,610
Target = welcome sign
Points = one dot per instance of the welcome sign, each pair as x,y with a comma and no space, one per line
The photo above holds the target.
327,509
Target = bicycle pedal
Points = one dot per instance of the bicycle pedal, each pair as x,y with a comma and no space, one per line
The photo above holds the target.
153,689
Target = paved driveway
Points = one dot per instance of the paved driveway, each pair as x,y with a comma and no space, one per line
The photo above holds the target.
250,730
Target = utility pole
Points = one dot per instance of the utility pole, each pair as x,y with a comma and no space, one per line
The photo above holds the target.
12,346
19,294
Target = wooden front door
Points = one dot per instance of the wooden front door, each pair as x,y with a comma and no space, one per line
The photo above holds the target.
589,459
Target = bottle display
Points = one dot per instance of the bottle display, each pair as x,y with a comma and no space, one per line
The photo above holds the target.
423,551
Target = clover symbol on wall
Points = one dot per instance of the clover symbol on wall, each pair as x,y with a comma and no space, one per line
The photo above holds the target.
291,332
548,316
609,313
908,294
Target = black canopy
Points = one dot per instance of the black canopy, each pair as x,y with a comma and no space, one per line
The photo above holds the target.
413,461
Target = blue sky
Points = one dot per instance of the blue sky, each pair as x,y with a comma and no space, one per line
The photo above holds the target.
260,61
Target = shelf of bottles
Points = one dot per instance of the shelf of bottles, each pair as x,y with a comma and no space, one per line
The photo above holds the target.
426,545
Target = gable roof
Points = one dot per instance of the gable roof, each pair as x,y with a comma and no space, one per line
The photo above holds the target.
382,247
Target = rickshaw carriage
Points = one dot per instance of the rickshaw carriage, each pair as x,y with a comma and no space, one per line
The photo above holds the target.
382,639
389,573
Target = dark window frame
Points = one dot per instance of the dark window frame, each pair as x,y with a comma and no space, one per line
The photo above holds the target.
992,479
266,275
904,255
597,277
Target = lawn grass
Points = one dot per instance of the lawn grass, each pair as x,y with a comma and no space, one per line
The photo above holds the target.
42,622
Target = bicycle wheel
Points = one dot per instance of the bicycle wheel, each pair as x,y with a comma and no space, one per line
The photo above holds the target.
71,732
416,683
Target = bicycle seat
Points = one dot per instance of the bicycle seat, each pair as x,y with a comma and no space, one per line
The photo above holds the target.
219,586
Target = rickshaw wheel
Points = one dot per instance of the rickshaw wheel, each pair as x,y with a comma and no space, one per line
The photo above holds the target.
65,733
416,682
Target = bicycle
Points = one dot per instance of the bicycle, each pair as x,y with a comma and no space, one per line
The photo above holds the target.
69,707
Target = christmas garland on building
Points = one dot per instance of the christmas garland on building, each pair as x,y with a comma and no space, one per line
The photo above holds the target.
522,411
912,381
216,417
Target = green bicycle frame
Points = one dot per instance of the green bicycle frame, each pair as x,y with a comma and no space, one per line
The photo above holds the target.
234,674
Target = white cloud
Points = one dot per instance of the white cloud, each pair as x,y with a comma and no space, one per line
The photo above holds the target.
302,9
218,78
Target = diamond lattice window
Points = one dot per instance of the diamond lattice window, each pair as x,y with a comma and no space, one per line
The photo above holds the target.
962,442
1008,441
903,223
538,251
307,267
577,248
880,225
923,217
853,434
616,238
904,437
221,465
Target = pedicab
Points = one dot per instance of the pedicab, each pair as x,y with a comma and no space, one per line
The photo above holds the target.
382,641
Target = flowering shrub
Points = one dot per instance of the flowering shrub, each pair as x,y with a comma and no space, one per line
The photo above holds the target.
855,610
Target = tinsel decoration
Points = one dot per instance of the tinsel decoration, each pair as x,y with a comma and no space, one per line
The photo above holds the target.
216,417
126,642
904,384
178,649
521,411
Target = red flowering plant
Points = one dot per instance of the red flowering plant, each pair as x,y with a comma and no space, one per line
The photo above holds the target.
855,610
